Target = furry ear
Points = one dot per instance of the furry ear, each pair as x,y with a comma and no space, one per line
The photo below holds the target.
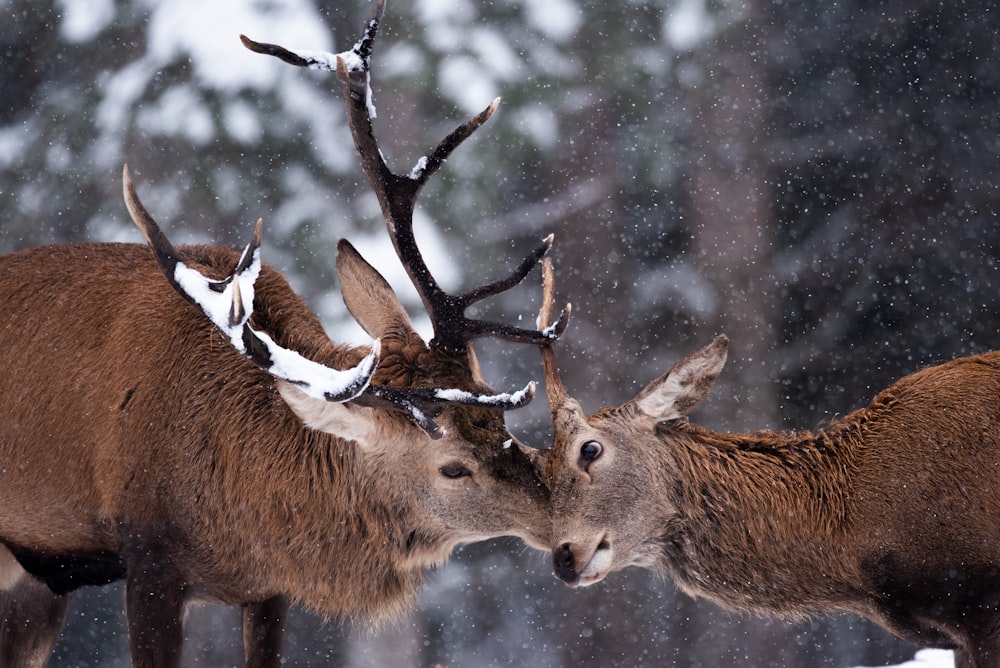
350,422
474,369
674,394
368,296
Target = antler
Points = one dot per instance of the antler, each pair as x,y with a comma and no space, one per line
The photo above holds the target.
228,303
423,403
397,193
554,388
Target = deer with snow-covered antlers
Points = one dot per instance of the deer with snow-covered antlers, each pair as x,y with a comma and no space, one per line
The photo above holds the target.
891,512
202,438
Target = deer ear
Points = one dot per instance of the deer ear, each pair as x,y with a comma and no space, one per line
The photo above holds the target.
677,392
368,296
475,370
349,422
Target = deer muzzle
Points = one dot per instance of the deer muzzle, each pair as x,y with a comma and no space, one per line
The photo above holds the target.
579,566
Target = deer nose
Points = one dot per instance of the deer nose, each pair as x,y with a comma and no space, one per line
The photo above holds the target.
563,563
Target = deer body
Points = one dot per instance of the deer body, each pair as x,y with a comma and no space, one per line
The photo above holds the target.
139,444
890,512
869,515
142,449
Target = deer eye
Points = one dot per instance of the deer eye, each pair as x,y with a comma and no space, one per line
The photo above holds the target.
454,471
589,452
674,422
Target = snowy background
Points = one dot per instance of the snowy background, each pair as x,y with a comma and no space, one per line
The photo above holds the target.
816,179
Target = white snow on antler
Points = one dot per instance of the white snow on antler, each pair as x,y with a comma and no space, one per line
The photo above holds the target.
317,380
418,169
326,61
471,398
230,311
219,306
550,331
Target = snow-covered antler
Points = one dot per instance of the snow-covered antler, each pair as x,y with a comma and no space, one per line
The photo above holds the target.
228,304
422,403
397,193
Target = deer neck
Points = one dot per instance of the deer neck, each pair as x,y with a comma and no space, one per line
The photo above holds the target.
758,518
348,544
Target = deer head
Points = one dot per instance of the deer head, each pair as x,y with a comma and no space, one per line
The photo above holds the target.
605,471
442,379
479,443
420,394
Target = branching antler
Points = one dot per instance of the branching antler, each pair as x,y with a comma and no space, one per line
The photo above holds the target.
397,194
228,303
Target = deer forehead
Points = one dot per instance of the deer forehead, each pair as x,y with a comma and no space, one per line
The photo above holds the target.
407,361
480,430
614,427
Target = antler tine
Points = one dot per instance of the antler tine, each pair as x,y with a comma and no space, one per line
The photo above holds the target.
228,304
422,403
397,193
554,388
426,168
504,284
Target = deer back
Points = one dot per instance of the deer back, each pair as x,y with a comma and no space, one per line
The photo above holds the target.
126,410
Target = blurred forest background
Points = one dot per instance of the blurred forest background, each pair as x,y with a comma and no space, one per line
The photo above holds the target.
816,179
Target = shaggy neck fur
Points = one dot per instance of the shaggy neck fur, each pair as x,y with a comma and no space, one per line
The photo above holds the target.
757,517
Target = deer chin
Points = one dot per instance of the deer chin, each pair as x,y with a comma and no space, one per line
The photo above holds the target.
598,567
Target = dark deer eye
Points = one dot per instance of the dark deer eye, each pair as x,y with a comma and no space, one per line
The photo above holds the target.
589,452
454,471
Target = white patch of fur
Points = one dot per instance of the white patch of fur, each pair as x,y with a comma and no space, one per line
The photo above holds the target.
597,568
353,423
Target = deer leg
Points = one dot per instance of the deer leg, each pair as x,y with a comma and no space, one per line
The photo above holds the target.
30,619
964,659
980,650
264,632
154,605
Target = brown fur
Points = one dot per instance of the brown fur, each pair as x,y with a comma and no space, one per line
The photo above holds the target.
890,512
31,613
138,443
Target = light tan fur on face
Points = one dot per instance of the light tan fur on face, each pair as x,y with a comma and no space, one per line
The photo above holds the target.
351,423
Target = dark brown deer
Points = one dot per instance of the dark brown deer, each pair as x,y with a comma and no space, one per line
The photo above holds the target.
891,513
221,447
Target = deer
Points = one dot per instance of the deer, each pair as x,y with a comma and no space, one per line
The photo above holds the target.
890,512
177,418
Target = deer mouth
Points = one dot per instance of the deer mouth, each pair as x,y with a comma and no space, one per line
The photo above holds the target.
598,566
565,560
